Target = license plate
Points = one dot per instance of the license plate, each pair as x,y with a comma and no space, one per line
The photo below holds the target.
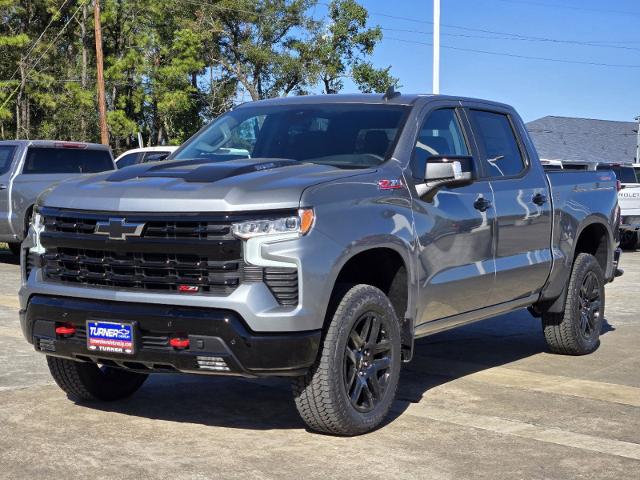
110,337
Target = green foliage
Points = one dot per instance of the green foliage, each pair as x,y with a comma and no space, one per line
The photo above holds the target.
171,65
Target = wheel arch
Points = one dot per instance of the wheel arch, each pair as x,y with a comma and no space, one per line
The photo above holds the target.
593,237
388,268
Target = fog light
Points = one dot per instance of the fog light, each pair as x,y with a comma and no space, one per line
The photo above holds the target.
216,364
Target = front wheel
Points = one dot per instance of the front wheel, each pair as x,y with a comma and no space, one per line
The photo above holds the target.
90,382
353,383
576,330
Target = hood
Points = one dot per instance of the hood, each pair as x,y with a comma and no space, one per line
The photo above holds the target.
195,186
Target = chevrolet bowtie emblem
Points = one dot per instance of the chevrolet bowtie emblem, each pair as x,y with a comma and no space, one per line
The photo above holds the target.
119,229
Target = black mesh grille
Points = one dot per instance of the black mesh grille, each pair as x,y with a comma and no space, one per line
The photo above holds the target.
171,252
151,271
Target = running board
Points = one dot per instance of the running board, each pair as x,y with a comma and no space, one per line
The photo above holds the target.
437,326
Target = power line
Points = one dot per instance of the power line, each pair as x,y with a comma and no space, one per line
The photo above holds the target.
35,64
503,54
33,45
518,38
571,7
509,34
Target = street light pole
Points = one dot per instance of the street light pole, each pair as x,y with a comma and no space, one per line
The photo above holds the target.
638,141
436,47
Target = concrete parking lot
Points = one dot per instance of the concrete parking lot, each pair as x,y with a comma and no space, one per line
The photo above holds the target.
484,401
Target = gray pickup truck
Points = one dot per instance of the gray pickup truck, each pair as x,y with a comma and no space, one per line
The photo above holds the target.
315,238
29,167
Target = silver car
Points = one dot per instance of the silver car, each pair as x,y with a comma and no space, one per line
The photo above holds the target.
28,167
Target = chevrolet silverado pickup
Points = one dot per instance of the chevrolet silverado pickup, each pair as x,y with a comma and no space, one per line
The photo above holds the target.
28,167
315,238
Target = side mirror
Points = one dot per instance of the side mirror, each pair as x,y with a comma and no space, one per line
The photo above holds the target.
447,171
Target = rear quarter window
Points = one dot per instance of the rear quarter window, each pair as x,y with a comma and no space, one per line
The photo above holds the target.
6,158
66,160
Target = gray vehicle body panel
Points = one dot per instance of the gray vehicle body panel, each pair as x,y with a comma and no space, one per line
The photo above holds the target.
455,260
19,192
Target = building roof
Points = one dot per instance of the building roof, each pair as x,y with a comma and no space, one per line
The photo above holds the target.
584,139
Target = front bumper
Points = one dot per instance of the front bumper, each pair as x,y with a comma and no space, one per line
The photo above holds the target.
213,334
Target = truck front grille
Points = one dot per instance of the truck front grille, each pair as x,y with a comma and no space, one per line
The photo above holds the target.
170,253
149,271
178,254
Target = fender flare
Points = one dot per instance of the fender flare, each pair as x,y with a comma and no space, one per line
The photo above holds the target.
557,305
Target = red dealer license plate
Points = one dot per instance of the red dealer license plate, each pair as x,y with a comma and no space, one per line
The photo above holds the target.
110,337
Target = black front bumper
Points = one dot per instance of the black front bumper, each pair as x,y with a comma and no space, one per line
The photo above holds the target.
216,337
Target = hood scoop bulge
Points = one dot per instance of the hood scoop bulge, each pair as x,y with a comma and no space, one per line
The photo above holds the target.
199,171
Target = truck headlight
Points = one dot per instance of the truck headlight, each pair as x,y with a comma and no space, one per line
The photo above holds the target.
291,226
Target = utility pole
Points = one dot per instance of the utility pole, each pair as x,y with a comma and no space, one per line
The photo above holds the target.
102,105
436,47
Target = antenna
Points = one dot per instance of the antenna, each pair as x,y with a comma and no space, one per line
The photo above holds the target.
390,93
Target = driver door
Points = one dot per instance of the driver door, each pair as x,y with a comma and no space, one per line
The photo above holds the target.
455,227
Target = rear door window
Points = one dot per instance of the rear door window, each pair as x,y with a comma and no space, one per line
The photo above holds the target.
6,158
502,154
66,160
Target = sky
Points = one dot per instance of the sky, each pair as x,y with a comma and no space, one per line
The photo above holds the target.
536,88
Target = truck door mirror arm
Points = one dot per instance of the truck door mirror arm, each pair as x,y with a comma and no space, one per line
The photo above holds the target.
446,170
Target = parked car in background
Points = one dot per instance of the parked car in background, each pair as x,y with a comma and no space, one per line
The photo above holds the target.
345,227
629,200
144,155
28,167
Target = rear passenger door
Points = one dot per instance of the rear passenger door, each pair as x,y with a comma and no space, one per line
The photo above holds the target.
522,206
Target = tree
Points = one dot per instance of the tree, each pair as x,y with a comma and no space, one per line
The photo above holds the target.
343,46
171,65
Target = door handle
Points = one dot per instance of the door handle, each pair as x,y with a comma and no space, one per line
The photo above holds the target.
3,187
539,199
482,204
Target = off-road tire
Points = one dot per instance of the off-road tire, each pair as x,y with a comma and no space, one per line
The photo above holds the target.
15,248
321,396
563,331
89,382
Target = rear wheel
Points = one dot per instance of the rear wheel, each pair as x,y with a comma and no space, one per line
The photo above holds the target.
576,330
88,381
15,248
351,387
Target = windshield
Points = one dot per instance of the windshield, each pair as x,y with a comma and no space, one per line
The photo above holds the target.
342,135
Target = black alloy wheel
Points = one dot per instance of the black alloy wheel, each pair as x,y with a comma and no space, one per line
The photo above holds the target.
589,304
367,362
